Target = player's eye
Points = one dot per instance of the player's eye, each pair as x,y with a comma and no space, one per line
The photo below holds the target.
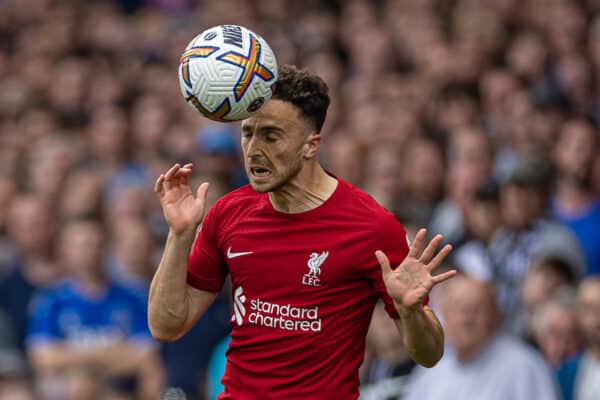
270,135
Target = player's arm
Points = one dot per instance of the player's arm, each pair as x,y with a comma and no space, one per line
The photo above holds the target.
408,285
173,305
422,335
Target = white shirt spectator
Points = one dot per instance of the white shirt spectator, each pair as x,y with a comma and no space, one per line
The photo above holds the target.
588,379
505,369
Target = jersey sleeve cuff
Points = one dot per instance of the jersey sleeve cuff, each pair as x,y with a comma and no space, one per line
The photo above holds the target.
208,285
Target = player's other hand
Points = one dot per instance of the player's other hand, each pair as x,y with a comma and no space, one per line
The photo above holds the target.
182,210
410,283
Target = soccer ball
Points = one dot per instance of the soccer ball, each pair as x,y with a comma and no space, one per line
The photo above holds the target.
227,73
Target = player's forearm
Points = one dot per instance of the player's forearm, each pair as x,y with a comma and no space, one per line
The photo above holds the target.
168,303
423,336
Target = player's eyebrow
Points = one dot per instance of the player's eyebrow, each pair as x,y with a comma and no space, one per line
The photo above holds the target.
261,127
270,127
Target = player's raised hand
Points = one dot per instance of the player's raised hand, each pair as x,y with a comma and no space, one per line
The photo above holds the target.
182,210
410,283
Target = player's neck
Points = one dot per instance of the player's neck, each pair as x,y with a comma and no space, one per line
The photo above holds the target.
308,190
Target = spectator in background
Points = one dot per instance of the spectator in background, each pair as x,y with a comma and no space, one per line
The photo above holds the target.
528,233
553,328
386,373
132,257
16,390
580,377
482,363
576,204
90,325
187,359
81,196
14,371
469,167
344,155
107,139
49,161
422,166
8,189
218,150
94,82
32,266
381,174
482,219
545,277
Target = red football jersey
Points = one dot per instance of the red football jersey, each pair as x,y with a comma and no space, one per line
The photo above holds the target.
304,289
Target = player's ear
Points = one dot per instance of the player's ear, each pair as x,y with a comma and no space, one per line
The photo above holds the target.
313,141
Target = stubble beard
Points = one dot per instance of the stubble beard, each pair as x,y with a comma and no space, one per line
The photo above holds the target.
279,183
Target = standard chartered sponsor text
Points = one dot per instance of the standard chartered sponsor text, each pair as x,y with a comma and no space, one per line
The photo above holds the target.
284,317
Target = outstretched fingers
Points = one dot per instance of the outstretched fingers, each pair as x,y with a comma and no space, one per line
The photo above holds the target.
429,251
439,258
443,277
417,244
383,261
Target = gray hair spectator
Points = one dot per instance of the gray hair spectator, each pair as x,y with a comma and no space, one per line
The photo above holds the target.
554,329
482,363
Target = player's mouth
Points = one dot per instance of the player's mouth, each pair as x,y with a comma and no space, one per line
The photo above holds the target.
260,173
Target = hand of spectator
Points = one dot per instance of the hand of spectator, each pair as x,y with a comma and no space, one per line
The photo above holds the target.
182,210
410,283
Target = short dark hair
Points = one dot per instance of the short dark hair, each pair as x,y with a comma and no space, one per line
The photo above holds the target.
306,91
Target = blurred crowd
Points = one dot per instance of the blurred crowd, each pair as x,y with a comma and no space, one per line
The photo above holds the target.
476,119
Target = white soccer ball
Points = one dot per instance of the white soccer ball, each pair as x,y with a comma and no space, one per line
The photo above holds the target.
227,73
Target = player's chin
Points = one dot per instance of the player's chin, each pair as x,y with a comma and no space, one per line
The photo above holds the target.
262,186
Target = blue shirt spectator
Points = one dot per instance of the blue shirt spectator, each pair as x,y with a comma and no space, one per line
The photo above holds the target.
90,330
585,227
66,313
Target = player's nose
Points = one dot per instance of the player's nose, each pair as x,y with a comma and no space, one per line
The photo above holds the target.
253,147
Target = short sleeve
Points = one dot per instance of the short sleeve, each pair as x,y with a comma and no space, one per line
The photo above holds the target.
207,269
43,326
394,243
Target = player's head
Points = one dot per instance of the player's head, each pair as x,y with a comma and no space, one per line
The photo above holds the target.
284,135
306,91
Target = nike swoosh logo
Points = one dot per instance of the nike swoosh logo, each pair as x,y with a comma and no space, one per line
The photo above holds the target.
230,254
